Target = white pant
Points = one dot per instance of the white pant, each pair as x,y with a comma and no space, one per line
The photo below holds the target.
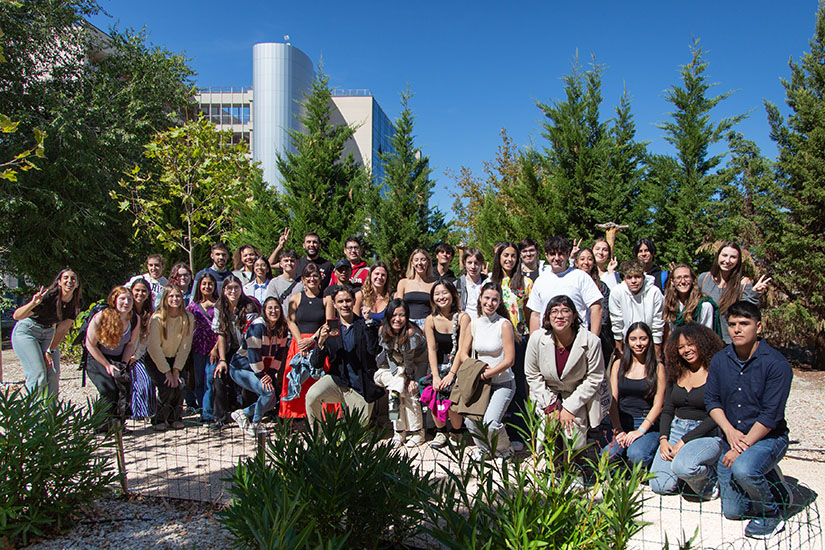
411,418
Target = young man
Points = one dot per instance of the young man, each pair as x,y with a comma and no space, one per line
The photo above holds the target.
529,252
154,276
358,267
747,388
220,256
569,281
637,299
444,254
288,282
645,252
351,362
312,247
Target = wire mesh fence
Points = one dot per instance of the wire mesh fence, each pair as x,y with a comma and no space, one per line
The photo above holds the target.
195,463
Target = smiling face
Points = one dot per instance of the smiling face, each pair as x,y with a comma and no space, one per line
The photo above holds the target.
443,257
728,259
442,298
343,303
124,302
601,253
682,281
529,255
232,290
585,261
174,300
183,277
398,321
260,268
638,341
312,245
67,283
272,312
139,293
473,267
155,268
644,255
352,252
288,265
207,287
509,258
312,281
687,350
490,300
420,262
378,276
219,258
557,260
248,257
561,318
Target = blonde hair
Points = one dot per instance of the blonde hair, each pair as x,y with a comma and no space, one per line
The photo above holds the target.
411,272
163,311
368,289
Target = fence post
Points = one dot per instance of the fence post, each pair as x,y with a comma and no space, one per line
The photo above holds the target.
121,459
261,436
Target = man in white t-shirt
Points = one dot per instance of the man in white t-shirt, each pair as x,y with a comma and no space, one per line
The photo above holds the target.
154,276
558,278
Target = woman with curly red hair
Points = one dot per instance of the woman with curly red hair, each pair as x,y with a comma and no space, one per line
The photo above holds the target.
110,340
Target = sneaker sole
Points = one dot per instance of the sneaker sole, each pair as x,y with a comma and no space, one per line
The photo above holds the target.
778,529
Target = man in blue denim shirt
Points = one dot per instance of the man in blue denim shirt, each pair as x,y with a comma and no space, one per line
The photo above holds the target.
747,388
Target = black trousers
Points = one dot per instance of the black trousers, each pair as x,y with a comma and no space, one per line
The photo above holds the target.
227,396
115,391
170,400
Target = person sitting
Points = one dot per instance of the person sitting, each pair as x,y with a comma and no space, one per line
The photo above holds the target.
351,355
637,385
636,300
747,389
688,446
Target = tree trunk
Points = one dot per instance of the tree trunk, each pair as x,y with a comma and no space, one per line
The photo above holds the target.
818,362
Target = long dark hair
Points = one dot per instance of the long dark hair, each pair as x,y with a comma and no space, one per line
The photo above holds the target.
387,334
54,290
236,316
517,278
730,293
651,363
502,309
198,296
281,327
707,345
146,310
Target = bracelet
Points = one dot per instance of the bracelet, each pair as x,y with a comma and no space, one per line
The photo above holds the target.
661,437
221,361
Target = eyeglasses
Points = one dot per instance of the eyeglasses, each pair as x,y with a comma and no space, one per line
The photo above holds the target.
561,312
356,247
683,278
232,289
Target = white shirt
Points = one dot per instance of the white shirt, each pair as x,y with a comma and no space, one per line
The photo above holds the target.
156,285
572,282
473,290
646,306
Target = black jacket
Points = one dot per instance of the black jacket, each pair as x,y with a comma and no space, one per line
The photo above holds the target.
366,348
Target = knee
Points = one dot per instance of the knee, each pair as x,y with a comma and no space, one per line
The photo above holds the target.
744,474
639,454
664,482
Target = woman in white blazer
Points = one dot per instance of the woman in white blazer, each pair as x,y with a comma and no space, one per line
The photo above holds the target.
565,371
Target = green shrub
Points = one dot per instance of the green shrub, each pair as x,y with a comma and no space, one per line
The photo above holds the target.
339,482
50,463
557,498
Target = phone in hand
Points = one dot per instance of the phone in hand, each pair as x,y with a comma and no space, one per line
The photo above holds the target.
334,327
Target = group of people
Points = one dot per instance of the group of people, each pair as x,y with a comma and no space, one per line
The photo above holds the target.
658,367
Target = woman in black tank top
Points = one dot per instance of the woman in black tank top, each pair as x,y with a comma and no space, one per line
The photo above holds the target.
415,288
637,384
442,329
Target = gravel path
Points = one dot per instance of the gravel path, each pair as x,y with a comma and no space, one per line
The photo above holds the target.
191,464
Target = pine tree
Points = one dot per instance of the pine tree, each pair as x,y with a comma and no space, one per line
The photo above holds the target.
685,215
324,191
401,218
797,250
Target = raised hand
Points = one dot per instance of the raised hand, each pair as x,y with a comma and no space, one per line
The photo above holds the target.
37,297
576,247
762,284
284,237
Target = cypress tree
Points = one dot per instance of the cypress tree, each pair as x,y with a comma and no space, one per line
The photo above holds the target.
798,250
401,218
325,191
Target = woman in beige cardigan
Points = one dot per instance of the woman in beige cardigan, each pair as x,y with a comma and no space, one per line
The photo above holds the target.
565,371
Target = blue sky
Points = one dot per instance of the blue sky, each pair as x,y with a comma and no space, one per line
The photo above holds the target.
478,67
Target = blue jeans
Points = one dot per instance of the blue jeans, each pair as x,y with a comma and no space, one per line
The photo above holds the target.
745,487
247,380
500,397
695,463
199,368
30,341
640,451
208,368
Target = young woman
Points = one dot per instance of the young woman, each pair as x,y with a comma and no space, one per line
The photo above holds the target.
181,277
415,289
645,252
606,263
688,446
637,385
565,370
243,260
233,314
685,303
261,275
443,332
490,338
256,367
586,261
470,281
42,324
144,401
111,338
725,284
376,290
405,349
306,317
170,339
204,342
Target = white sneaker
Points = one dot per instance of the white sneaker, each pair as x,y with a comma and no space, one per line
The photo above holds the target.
477,454
398,440
414,440
240,417
439,440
